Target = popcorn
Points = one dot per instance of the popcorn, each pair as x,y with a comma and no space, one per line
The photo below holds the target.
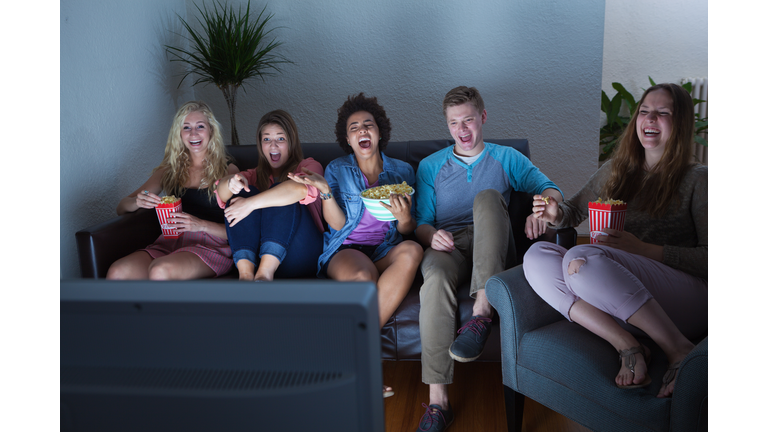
383,192
168,199
605,214
608,201
168,204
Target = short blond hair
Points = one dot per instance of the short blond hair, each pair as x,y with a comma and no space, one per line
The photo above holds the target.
461,95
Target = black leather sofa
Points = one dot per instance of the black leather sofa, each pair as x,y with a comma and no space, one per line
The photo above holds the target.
100,245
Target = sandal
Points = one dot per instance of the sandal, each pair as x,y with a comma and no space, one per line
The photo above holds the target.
629,361
387,393
670,375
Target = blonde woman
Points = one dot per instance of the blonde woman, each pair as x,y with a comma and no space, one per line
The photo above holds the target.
194,159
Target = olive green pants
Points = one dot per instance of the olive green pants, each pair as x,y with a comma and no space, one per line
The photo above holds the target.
482,250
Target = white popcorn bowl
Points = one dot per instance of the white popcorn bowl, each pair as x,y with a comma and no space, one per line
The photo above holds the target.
377,210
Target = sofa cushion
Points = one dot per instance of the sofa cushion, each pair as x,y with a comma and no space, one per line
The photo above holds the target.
565,362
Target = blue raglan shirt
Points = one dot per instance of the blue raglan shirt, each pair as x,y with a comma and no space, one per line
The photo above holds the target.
446,187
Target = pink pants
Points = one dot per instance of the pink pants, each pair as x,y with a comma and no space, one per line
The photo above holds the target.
616,282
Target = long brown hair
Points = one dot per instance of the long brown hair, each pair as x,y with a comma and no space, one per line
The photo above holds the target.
295,155
660,184
176,160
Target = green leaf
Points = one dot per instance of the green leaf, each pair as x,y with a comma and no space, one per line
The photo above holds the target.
701,140
627,96
605,103
688,87
651,80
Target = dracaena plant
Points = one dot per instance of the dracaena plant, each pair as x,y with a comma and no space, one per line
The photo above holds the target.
615,122
230,48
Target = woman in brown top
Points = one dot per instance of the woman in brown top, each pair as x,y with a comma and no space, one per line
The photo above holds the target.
652,275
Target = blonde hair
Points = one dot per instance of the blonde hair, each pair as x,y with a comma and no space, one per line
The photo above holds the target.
295,154
461,95
660,184
176,161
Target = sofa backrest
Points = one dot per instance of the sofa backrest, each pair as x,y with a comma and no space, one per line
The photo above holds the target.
246,156
520,203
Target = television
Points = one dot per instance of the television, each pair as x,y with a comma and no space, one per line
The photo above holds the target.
220,355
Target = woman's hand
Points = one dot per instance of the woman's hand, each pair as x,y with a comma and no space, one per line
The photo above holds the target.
185,222
627,242
311,178
400,206
237,183
545,208
147,200
238,209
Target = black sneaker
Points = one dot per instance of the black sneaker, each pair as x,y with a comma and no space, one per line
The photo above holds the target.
435,419
471,340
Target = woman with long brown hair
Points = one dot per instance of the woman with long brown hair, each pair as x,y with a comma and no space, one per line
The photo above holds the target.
653,275
274,225
194,159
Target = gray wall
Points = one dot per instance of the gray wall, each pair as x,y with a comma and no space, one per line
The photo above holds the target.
538,65
668,45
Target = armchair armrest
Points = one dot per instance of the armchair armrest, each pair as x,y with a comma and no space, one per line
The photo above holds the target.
100,245
520,310
690,398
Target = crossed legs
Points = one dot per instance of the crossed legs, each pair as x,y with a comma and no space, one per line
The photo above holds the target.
593,285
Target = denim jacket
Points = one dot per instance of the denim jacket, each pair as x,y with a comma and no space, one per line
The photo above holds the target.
346,182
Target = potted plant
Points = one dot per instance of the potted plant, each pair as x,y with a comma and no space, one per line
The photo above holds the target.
615,122
230,49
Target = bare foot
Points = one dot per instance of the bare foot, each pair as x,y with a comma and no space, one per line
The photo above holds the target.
245,269
639,378
262,277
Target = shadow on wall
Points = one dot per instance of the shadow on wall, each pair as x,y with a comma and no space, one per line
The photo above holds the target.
168,74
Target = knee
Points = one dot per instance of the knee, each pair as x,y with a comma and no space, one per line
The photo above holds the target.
411,252
118,271
159,270
487,196
577,256
575,265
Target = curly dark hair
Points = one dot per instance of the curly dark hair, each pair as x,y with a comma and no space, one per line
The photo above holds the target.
370,105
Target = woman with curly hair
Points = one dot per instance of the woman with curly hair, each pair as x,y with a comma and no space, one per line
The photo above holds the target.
275,225
194,158
359,247
652,275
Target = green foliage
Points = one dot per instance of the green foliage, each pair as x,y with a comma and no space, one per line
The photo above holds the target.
615,122
230,49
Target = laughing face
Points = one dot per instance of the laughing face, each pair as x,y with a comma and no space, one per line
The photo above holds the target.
274,144
363,134
196,132
654,121
466,125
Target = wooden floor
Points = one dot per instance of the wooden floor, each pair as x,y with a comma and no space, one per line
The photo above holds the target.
476,395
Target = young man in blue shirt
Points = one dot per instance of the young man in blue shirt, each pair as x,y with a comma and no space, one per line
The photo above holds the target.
462,221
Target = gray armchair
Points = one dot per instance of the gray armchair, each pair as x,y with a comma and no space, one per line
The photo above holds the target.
570,370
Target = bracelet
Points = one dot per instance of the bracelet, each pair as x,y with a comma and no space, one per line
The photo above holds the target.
326,197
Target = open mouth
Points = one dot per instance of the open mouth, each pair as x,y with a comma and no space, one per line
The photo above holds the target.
650,132
364,143
465,138
195,143
275,157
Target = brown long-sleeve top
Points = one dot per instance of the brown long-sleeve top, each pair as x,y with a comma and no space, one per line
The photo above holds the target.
682,231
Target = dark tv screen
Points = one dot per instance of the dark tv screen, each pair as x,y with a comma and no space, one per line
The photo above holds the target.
220,355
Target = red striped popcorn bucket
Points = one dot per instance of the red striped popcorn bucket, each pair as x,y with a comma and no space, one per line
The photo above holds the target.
605,216
166,223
